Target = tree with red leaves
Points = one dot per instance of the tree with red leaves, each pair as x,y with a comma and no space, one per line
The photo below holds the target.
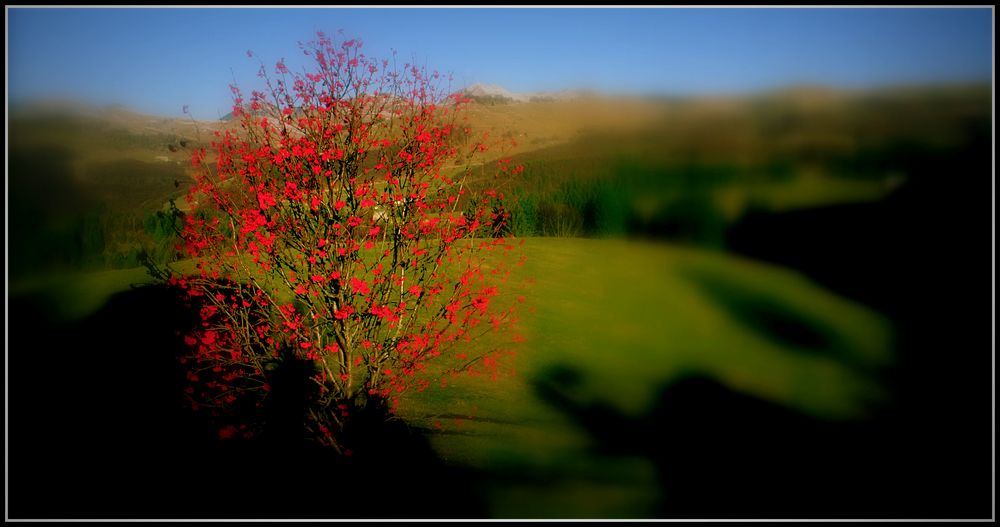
344,224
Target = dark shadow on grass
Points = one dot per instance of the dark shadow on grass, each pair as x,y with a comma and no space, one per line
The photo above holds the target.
921,257
763,312
98,428
720,453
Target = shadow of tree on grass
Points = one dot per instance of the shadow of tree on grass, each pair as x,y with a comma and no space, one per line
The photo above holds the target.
721,453
98,428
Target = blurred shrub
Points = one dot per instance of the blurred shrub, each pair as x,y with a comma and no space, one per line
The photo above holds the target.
631,199
574,208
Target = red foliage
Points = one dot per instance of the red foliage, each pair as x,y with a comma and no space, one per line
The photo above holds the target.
343,224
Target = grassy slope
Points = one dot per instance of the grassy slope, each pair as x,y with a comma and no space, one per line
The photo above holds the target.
780,151
628,317
833,147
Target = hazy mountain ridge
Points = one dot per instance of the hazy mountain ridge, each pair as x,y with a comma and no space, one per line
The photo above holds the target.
495,91
808,94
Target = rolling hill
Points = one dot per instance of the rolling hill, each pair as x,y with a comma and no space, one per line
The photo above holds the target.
796,148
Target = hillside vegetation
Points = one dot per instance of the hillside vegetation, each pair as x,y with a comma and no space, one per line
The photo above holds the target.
90,187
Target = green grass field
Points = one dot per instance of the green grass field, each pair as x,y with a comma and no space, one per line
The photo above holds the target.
628,318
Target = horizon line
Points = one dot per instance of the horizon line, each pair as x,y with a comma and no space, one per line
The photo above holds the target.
735,93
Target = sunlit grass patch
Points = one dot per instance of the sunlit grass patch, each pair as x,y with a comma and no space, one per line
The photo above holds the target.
625,319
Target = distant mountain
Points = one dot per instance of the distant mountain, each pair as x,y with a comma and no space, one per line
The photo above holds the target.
266,110
495,93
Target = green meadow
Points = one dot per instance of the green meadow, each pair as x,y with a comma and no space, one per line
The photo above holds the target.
626,318
629,318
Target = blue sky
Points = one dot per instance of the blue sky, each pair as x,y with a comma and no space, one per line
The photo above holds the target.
157,60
